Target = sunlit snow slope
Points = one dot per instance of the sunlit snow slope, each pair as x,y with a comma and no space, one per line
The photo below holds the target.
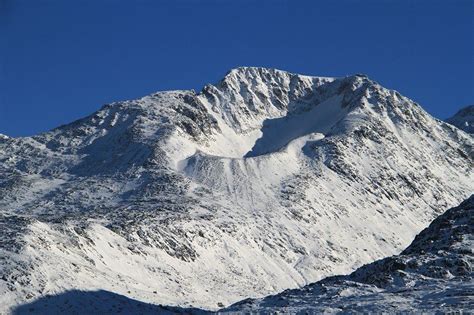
264,181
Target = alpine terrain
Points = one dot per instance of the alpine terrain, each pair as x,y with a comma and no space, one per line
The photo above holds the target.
265,181
434,274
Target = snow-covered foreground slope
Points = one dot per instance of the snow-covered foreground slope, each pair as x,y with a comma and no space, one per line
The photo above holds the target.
265,181
434,274
464,119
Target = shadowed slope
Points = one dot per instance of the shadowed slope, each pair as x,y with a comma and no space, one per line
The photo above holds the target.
96,302
463,119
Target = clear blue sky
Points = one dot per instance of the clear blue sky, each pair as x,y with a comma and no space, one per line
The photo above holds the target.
61,60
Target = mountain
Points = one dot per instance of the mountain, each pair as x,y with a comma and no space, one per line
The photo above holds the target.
265,181
434,274
464,119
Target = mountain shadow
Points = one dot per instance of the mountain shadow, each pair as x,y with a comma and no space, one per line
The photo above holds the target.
96,302
278,132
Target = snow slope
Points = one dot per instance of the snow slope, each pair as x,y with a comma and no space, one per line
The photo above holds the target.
464,119
434,274
264,181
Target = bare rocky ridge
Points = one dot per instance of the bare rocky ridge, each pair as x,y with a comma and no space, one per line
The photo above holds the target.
264,181
434,274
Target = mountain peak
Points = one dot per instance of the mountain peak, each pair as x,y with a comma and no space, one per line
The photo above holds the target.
264,74
249,72
247,96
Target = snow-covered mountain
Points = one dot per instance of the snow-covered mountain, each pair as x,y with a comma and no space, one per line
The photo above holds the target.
434,274
464,119
264,181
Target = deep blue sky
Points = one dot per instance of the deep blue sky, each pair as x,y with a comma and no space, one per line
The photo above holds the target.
61,60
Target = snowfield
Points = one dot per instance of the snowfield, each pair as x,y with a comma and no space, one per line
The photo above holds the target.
262,182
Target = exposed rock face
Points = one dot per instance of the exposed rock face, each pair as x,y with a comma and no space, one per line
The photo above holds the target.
464,119
434,274
265,181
